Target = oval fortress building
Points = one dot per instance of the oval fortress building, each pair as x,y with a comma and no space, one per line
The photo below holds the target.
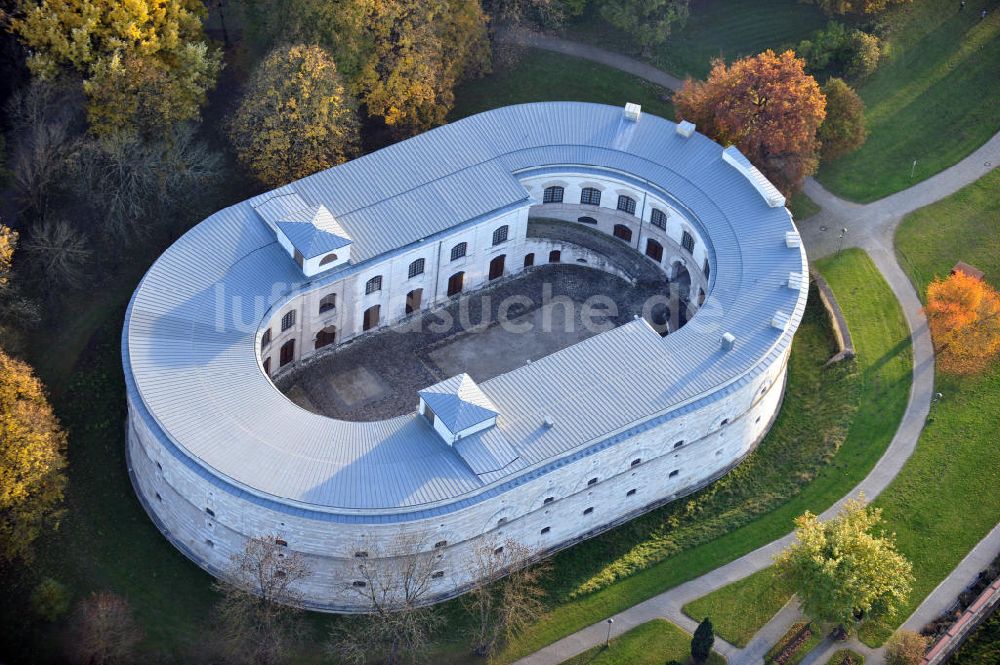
548,453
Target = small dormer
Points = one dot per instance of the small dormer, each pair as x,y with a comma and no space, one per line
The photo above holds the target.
314,239
309,233
456,408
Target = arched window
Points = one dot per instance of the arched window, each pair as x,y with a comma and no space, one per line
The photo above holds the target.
371,317
459,250
329,258
553,195
623,232
326,336
626,204
500,235
267,366
455,283
707,269
287,353
374,284
590,196
658,218
329,302
497,266
687,242
586,220
265,339
554,256
654,250
701,297
529,260
416,268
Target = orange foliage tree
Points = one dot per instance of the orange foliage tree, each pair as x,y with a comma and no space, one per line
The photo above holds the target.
964,317
765,105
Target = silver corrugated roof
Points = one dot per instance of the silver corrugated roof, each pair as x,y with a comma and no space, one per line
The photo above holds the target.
459,402
190,353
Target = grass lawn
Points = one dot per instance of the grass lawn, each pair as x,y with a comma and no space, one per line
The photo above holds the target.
758,598
945,499
839,657
878,391
544,76
878,329
933,99
729,29
652,643
802,207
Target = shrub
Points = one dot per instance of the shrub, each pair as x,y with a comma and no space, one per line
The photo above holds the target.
863,53
50,599
905,648
843,130
838,51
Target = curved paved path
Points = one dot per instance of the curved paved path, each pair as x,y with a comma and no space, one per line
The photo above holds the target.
870,227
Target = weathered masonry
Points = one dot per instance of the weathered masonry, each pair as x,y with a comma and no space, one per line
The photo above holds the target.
548,453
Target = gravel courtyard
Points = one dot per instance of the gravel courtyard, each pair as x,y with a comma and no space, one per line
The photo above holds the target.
486,333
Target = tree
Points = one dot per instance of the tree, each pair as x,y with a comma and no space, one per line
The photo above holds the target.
58,253
260,605
765,105
50,599
295,118
420,51
963,313
844,129
648,21
864,52
104,632
905,648
702,641
855,6
394,585
507,595
842,571
17,313
32,459
132,186
144,64
838,51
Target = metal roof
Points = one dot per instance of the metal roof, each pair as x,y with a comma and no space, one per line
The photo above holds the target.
313,231
459,402
189,346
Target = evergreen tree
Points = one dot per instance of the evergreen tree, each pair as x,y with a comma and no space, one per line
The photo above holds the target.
702,642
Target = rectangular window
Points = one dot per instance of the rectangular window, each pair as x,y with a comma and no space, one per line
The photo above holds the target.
437,574
374,284
592,481
658,218
552,195
590,196
441,543
459,250
288,320
360,584
678,444
687,242
707,269
588,510
637,461
210,512
361,555
626,204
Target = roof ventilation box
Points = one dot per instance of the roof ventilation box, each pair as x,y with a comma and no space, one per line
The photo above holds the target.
728,341
632,112
780,320
795,280
685,128
792,240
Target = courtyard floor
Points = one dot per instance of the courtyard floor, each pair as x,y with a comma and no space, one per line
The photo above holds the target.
486,333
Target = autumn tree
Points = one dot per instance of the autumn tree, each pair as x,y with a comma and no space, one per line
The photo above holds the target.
104,631
905,648
507,595
963,313
295,118
260,607
17,312
855,6
32,459
702,641
649,22
145,64
842,570
844,129
765,105
58,254
393,584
